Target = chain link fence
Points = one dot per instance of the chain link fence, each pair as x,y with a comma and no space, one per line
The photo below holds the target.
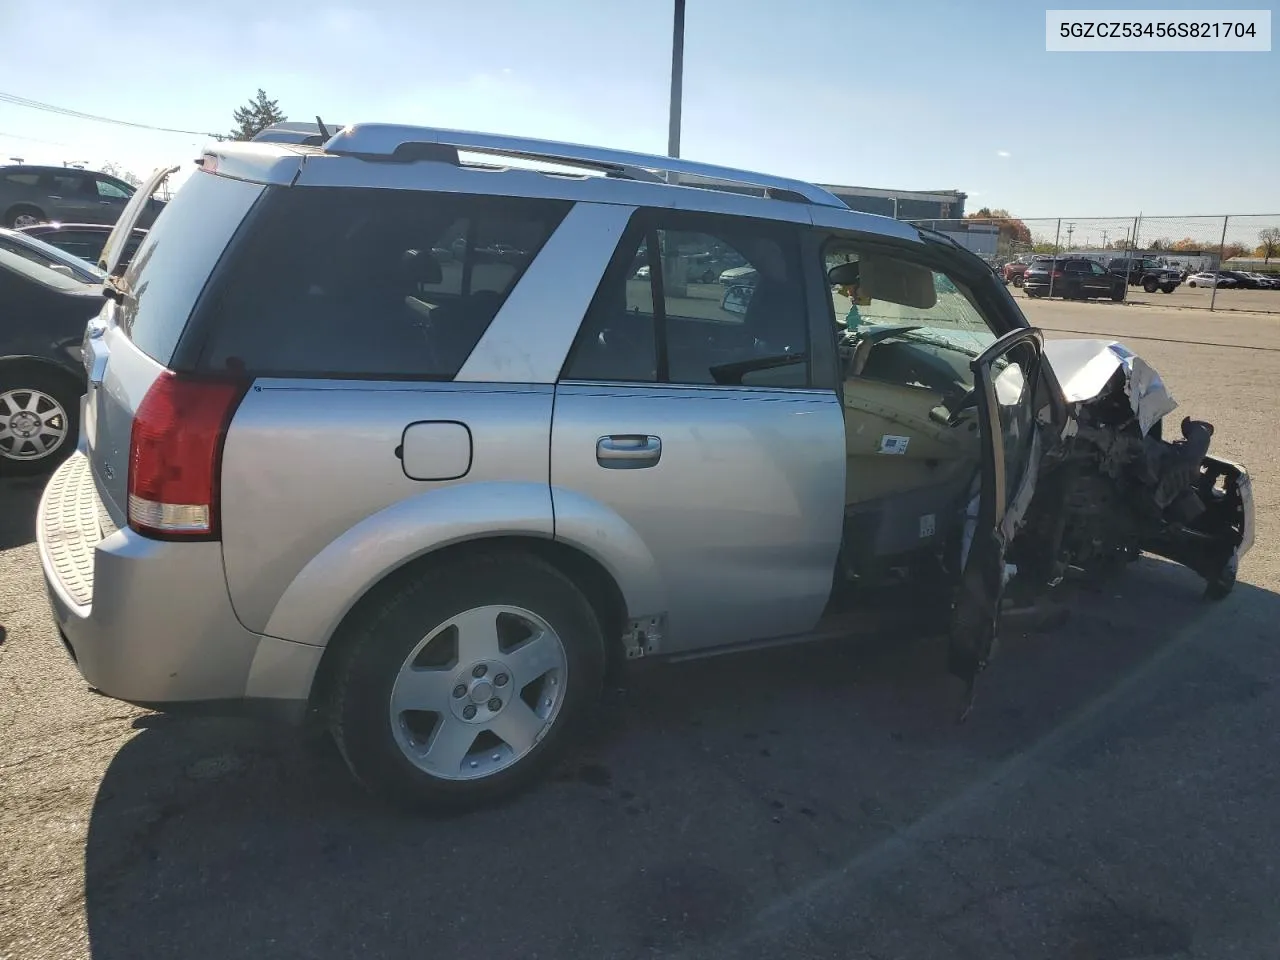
1219,263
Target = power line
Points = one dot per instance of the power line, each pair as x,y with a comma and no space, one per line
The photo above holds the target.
17,101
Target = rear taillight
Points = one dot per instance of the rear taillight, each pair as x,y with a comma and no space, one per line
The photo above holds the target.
1058,274
175,455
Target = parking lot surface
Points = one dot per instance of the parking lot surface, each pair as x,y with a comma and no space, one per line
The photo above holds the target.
1113,795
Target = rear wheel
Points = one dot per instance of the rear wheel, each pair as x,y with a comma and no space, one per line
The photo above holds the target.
23,215
464,685
1118,293
1017,280
1150,285
39,420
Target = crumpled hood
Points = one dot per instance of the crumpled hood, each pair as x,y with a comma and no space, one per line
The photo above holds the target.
1083,368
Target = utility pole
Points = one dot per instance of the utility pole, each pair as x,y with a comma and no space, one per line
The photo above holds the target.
1070,229
677,81
1104,239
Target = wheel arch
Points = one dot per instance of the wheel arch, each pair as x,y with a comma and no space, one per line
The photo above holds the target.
12,210
586,572
19,361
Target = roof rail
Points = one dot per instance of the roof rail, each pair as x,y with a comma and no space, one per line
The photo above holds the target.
394,142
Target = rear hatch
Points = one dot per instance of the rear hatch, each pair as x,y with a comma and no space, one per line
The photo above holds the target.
132,341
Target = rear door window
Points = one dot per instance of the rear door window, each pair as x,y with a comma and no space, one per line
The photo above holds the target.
667,312
367,283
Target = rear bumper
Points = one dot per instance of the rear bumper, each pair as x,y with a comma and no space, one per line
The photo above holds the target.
150,622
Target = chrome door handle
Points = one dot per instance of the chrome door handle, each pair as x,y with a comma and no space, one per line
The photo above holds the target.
54,197
628,451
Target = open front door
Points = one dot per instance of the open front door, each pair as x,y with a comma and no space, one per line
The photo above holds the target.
1014,400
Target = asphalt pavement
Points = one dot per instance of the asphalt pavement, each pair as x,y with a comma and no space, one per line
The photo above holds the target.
1112,797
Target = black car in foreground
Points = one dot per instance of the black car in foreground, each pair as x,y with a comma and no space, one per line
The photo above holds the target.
83,240
1074,278
44,308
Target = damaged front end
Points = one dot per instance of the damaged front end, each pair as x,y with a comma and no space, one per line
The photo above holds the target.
1120,486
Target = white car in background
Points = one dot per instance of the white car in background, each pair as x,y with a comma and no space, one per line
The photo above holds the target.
1208,279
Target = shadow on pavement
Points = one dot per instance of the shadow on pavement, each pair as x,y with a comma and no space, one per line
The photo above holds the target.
19,498
710,791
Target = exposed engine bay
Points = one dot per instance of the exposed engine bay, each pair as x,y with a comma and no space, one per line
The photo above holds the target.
1129,481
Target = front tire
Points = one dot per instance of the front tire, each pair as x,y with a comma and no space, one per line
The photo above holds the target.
463,685
1167,288
1017,280
39,420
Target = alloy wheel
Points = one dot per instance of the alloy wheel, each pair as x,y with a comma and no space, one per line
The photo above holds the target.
33,424
479,692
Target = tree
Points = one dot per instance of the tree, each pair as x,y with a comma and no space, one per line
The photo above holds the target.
1011,228
1234,250
128,176
1270,245
255,116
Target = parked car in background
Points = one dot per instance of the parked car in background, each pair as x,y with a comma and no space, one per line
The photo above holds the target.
1207,278
1014,269
1245,281
1074,278
34,194
737,276
83,240
1146,272
44,307
1267,281
37,250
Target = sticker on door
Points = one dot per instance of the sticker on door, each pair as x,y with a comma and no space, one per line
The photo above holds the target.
894,446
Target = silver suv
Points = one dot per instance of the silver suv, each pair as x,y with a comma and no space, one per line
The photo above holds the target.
423,446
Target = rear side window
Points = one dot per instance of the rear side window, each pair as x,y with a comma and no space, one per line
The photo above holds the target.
23,179
369,283
173,263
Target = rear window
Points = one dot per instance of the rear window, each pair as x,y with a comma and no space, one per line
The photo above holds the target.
369,283
174,260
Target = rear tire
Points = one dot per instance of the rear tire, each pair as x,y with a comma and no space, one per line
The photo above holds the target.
1118,294
1017,280
23,215
39,419
1150,286
396,714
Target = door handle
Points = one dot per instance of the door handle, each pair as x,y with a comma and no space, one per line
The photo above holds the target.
628,451
54,196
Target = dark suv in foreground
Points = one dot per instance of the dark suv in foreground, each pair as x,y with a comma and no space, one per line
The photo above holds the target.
1074,278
